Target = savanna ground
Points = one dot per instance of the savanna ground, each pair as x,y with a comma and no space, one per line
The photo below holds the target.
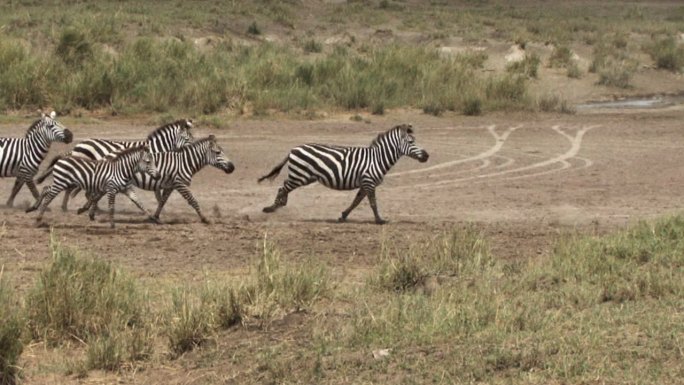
544,280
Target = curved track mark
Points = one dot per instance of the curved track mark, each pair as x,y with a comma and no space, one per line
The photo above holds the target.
500,140
576,144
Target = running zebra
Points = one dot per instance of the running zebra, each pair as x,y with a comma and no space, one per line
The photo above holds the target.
107,176
347,168
21,157
168,137
177,168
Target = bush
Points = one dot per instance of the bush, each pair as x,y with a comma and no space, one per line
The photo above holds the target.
254,29
667,54
560,57
574,71
89,300
11,325
529,66
472,106
74,48
616,74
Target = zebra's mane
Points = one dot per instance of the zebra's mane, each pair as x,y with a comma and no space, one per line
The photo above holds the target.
121,154
179,122
197,143
34,126
382,135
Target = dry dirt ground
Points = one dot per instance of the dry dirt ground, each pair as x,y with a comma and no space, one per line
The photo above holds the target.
522,179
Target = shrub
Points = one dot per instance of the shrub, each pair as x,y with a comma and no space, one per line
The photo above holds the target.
472,106
574,71
73,47
254,29
529,66
313,46
560,57
11,325
616,74
667,54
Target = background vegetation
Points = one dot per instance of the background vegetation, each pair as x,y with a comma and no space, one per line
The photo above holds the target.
265,56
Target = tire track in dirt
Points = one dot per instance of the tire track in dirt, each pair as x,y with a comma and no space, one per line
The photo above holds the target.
575,146
500,139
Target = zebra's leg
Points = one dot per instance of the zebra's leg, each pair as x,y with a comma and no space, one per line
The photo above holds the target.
185,192
159,193
32,186
67,195
359,197
374,206
162,201
93,199
91,205
49,193
18,183
280,200
111,194
288,186
134,198
38,201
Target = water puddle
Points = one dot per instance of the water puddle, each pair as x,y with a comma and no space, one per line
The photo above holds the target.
635,103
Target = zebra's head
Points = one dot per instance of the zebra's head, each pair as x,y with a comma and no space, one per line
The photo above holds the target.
146,163
217,158
50,128
407,143
184,133
171,136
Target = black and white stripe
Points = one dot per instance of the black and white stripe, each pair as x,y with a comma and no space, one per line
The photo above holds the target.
21,157
177,168
168,137
107,176
347,168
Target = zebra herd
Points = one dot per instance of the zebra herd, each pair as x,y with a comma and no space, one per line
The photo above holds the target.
169,157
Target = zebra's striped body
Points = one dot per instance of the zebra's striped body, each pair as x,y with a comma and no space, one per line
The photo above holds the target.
177,168
21,157
169,137
106,176
347,168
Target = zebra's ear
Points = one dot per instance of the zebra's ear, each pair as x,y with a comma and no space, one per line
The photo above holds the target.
53,115
212,138
189,123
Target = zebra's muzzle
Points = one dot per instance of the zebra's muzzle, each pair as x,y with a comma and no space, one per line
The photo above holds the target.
68,136
228,168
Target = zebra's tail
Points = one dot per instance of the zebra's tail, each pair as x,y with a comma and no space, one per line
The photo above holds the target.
48,170
274,173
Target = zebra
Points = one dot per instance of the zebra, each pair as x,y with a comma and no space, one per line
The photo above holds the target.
176,169
168,137
106,176
21,157
347,168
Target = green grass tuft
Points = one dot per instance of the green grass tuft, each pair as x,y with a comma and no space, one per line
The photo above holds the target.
89,300
11,326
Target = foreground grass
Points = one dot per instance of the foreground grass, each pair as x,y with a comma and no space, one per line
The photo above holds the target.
444,310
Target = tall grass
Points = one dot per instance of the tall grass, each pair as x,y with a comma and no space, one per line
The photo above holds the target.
11,326
89,300
172,74
603,307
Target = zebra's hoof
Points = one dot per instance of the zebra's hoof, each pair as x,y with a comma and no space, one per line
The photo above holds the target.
380,221
206,221
269,209
81,210
30,209
342,219
154,219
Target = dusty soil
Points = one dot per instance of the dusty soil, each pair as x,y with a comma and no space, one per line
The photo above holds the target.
523,179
